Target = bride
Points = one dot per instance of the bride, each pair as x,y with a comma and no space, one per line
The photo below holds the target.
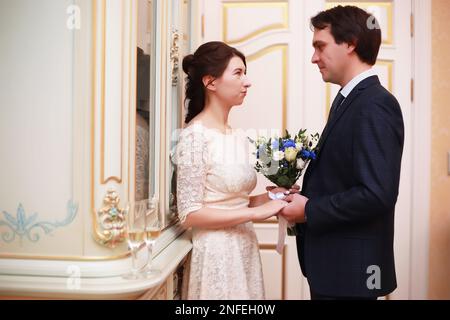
213,185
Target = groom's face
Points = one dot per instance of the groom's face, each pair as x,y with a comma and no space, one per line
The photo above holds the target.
330,57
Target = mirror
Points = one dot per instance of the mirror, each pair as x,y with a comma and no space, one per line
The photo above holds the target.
149,116
145,184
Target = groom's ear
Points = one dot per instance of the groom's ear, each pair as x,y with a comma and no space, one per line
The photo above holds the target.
208,82
351,46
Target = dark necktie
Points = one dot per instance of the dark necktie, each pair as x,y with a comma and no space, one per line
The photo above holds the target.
335,105
333,111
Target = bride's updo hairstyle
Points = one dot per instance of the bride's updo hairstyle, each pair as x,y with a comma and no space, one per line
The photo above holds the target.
211,59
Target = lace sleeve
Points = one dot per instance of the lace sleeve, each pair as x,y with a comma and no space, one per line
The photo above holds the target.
191,158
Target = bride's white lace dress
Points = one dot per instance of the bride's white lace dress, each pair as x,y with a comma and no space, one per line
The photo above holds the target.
213,171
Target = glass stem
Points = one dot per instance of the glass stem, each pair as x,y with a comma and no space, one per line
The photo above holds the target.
150,252
133,261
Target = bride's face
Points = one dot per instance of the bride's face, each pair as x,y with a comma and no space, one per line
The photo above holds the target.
232,86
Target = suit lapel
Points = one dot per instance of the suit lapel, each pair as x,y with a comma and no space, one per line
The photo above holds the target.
328,128
345,105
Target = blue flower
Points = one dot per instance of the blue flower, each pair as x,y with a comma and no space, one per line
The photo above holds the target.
282,159
305,154
275,145
288,143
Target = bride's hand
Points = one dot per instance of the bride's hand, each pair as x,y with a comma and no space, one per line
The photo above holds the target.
268,209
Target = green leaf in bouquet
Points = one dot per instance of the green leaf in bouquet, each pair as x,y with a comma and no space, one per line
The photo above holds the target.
288,135
283,181
273,179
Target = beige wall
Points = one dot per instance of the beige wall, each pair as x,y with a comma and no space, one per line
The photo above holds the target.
439,273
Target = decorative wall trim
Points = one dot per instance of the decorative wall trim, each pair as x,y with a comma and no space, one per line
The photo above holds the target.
161,187
132,85
98,114
284,50
271,246
96,232
104,133
389,64
276,26
111,219
175,57
166,238
28,227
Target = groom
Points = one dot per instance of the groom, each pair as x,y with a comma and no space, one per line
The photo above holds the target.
345,215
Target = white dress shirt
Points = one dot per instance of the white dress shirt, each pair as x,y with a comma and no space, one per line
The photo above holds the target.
355,81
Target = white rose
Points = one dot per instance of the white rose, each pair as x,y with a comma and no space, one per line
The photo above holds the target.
291,154
300,164
298,146
261,140
278,155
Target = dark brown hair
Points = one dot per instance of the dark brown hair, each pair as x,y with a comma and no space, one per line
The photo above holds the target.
212,59
354,26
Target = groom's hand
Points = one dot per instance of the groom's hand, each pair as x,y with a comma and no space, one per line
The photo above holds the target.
294,212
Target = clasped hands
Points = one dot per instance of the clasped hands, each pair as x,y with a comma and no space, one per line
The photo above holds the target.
294,212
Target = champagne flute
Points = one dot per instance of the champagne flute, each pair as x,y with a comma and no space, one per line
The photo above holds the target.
152,231
135,226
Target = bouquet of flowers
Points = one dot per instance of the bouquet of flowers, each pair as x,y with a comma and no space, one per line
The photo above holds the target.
282,160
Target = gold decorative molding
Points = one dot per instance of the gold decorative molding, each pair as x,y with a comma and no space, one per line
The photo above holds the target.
175,57
270,246
108,237
94,97
104,180
161,187
111,220
130,101
390,65
284,51
132,85
276,26
388,40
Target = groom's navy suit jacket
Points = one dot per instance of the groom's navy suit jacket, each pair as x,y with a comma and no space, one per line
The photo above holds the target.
345,247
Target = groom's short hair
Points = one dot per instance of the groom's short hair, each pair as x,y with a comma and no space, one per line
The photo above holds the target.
352,25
